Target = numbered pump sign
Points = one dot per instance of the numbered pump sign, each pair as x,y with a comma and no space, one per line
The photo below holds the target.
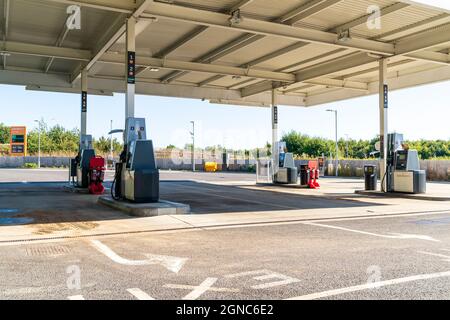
18,141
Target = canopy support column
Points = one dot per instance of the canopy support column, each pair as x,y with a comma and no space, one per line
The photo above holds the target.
130,67
275,151
84,93
383,109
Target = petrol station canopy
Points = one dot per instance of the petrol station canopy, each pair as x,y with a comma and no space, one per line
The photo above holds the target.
226,51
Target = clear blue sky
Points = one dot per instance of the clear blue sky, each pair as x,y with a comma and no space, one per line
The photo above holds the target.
421,112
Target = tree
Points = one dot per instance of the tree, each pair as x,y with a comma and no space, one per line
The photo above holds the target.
4,134
305,146
103,145
55,140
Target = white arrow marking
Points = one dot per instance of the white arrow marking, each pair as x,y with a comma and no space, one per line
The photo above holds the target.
393,236
173,264
139,294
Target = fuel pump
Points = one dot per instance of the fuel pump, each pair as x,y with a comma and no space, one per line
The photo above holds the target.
403,172
137,177
287,171
79,167
395,141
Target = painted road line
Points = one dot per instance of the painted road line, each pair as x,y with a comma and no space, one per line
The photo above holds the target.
139,294
443,256
372,285
393,236
78,297
262,275
173,264
292,220
28,290
199,290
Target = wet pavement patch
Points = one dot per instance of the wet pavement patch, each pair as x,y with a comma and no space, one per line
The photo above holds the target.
9,217
15,221
3,210
48,228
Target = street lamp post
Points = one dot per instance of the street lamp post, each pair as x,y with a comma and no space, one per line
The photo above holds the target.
39,144
337,147
346,146
111,147
193,145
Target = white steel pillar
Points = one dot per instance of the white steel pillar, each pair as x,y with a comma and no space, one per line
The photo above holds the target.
383,109
275,151
84,91
130,66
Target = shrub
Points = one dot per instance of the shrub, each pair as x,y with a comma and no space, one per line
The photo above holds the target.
29,165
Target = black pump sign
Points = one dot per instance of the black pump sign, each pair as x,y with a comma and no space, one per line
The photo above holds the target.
131,71
386,100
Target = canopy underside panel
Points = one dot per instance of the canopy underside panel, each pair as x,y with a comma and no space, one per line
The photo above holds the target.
233,52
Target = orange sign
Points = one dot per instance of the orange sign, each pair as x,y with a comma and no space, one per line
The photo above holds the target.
18,141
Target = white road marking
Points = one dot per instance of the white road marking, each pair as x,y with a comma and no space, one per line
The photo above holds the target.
78,297
445,258
5,291
393,236
372,285
139,294
247,224
189,287
173,264
266,275
199,290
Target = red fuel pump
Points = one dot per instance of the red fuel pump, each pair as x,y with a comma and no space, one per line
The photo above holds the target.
96,175
314,175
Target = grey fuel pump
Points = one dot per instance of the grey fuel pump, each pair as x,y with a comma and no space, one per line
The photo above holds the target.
403,172
137,177
79,167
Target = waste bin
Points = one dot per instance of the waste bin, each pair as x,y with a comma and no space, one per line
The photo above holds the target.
370,177
292,174
304,175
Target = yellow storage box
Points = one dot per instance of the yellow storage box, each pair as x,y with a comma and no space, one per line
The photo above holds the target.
211,166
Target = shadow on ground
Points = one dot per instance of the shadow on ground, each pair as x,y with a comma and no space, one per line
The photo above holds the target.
48,207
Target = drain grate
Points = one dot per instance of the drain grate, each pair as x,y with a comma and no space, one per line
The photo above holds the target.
47,251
